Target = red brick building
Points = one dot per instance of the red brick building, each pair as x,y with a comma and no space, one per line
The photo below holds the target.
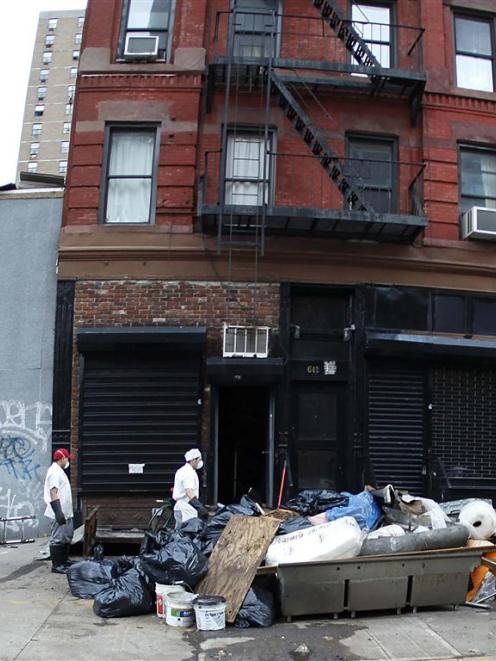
308,174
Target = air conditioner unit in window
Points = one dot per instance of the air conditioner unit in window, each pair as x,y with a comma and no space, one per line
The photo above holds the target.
246,341
141,47
479,223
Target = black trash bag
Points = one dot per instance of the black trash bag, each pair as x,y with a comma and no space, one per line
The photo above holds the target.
309,501
221,518
193,528
129,594
293,524
87,578
180,560
257,609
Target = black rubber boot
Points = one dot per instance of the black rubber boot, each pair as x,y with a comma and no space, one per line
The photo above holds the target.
67,562
57,555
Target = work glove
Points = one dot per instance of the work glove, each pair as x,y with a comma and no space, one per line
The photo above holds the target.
57,510
199,507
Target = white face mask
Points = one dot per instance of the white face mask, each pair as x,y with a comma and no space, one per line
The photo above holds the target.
66,466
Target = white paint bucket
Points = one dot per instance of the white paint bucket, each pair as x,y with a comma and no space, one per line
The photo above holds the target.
161,592
179,610
210,613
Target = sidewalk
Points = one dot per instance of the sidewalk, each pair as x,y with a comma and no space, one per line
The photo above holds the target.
40,620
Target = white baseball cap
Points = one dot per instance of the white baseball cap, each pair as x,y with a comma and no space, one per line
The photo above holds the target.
194,453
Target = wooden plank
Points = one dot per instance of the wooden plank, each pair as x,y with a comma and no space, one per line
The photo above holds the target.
235,559
90,525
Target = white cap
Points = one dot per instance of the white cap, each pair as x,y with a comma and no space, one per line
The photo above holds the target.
194,453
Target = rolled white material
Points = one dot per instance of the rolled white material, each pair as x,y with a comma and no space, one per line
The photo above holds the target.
480,518
394,530
337,539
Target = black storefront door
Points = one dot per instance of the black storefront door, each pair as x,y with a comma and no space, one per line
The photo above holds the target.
318,435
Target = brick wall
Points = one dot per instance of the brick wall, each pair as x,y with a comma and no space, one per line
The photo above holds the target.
162,303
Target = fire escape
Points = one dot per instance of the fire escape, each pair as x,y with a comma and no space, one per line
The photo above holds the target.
258,64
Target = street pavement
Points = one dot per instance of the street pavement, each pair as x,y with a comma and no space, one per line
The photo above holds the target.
40,620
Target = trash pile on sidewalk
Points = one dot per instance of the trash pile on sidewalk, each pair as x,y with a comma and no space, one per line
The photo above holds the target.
173,565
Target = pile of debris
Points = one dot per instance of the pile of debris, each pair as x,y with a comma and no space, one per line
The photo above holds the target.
224,555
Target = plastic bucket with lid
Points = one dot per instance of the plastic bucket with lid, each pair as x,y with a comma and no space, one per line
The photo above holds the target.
161,592
210,613
179,609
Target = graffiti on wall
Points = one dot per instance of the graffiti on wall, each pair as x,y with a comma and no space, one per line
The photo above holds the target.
25,432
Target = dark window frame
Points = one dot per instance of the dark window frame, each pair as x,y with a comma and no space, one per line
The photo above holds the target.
110,128
234,32
483,18
123,31
383,139
474,147
258,131
392,6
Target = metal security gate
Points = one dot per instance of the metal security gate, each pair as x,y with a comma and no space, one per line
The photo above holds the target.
464,420
139,413
396,426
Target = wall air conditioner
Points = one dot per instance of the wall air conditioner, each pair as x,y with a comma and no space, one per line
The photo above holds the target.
246,341
479,223
141,47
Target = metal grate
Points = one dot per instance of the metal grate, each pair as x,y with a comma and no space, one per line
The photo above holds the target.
396,426
464,420
138,417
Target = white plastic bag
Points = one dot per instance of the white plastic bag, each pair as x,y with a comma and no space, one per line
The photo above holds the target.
337,539
480,518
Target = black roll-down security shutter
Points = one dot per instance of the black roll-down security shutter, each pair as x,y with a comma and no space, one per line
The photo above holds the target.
139,413
396,425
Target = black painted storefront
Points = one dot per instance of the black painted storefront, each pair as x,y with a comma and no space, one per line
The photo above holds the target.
389,385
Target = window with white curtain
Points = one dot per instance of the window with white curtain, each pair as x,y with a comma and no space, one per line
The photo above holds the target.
247,181
373,24
477,178
130,175
475,58
256,25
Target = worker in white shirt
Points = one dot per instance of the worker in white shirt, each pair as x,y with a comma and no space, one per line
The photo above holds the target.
187,489
58,498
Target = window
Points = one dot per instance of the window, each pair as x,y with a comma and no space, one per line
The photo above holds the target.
80,21
67,127
34,149
49,40
373,171
32,167
477,178
42,92
247,182
130,174
68,108
70,91
256,28
77,38
372,22
73,72
47,57
474,53
44,75
148,18
39,109
62,167
75,54
36,130
64,146
52,23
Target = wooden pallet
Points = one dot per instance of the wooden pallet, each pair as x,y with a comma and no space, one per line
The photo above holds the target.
235,560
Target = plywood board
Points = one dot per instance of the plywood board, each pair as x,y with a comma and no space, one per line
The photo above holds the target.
235,560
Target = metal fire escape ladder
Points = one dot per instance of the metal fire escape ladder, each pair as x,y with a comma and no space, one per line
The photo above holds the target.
326,155
349,36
